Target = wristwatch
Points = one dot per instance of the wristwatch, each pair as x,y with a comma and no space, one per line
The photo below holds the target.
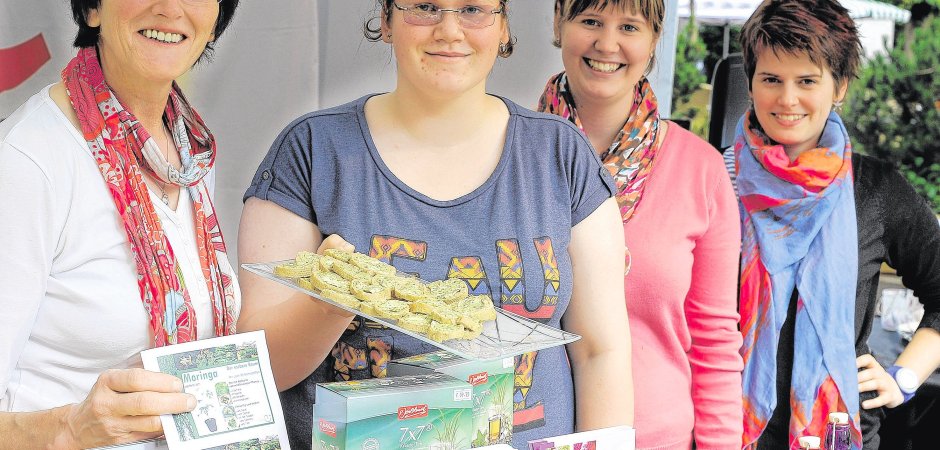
906,380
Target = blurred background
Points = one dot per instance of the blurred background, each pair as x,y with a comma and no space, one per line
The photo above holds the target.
279,60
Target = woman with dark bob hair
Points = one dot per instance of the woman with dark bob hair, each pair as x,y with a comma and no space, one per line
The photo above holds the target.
111,245
443,180
818,222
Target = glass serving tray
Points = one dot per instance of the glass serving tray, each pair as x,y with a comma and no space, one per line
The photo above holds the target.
509,335
158,444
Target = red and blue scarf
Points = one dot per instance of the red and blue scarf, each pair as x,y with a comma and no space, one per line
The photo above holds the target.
799,232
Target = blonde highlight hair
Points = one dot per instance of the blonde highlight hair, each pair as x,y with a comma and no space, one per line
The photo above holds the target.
653,11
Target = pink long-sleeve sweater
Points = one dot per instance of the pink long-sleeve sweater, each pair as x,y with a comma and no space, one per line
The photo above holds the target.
681,295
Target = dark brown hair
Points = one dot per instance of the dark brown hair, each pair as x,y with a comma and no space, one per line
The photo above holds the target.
822,29
373,32
87,36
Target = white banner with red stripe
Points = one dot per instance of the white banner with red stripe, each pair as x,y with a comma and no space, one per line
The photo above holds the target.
263,75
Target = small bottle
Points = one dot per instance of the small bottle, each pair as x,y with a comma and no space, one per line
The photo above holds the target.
838,432
809,443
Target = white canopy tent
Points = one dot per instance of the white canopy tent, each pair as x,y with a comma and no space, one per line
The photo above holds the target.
736,12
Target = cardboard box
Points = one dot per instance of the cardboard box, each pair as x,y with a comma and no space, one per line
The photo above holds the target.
421,412
492,383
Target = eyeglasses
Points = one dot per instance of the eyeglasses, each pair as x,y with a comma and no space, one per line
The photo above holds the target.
470,16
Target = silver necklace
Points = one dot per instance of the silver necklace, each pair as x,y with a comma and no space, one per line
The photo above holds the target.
166,153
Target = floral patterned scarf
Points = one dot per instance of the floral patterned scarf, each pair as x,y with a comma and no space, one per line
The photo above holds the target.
630,157
799,233
122,148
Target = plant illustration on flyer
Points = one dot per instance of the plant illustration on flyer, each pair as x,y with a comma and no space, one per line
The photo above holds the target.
236,399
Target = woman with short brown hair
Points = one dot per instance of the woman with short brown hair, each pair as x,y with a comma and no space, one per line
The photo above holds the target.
818,222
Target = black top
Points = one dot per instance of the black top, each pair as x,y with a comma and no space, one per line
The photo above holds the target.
895,226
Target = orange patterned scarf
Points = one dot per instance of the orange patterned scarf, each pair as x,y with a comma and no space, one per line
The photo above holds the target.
631,156
122,148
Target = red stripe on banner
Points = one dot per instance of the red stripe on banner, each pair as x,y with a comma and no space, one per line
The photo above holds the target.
22,61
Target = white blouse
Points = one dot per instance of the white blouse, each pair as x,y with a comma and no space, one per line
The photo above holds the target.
69,301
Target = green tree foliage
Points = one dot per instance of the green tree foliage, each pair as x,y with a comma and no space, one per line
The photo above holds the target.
893,109
909,4
690,51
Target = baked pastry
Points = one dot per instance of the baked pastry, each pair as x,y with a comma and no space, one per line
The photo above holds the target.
305,283
371,265
445,315
326,263
410,289
346,270
450,290
472,328
340,297
415,322
442,310
470,323
441,332
293,270
329,280
341,255
306,258
427,306
369,291
389,281
367,308
391,309
479,307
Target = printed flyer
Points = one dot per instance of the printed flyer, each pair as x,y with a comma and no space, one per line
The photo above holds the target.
237,405
614,438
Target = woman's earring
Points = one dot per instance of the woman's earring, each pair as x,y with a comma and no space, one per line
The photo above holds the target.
837,105
556,42
505,48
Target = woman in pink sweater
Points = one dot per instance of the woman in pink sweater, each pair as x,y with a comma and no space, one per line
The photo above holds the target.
680,222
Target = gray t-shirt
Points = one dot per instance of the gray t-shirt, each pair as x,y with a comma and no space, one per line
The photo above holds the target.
508,238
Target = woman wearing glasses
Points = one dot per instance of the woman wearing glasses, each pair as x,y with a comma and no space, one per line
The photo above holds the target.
679,222
110,246
444,181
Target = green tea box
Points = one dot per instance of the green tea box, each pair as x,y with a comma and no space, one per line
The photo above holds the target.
492,383
420,412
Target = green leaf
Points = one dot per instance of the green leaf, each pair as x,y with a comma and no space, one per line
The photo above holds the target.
891,110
